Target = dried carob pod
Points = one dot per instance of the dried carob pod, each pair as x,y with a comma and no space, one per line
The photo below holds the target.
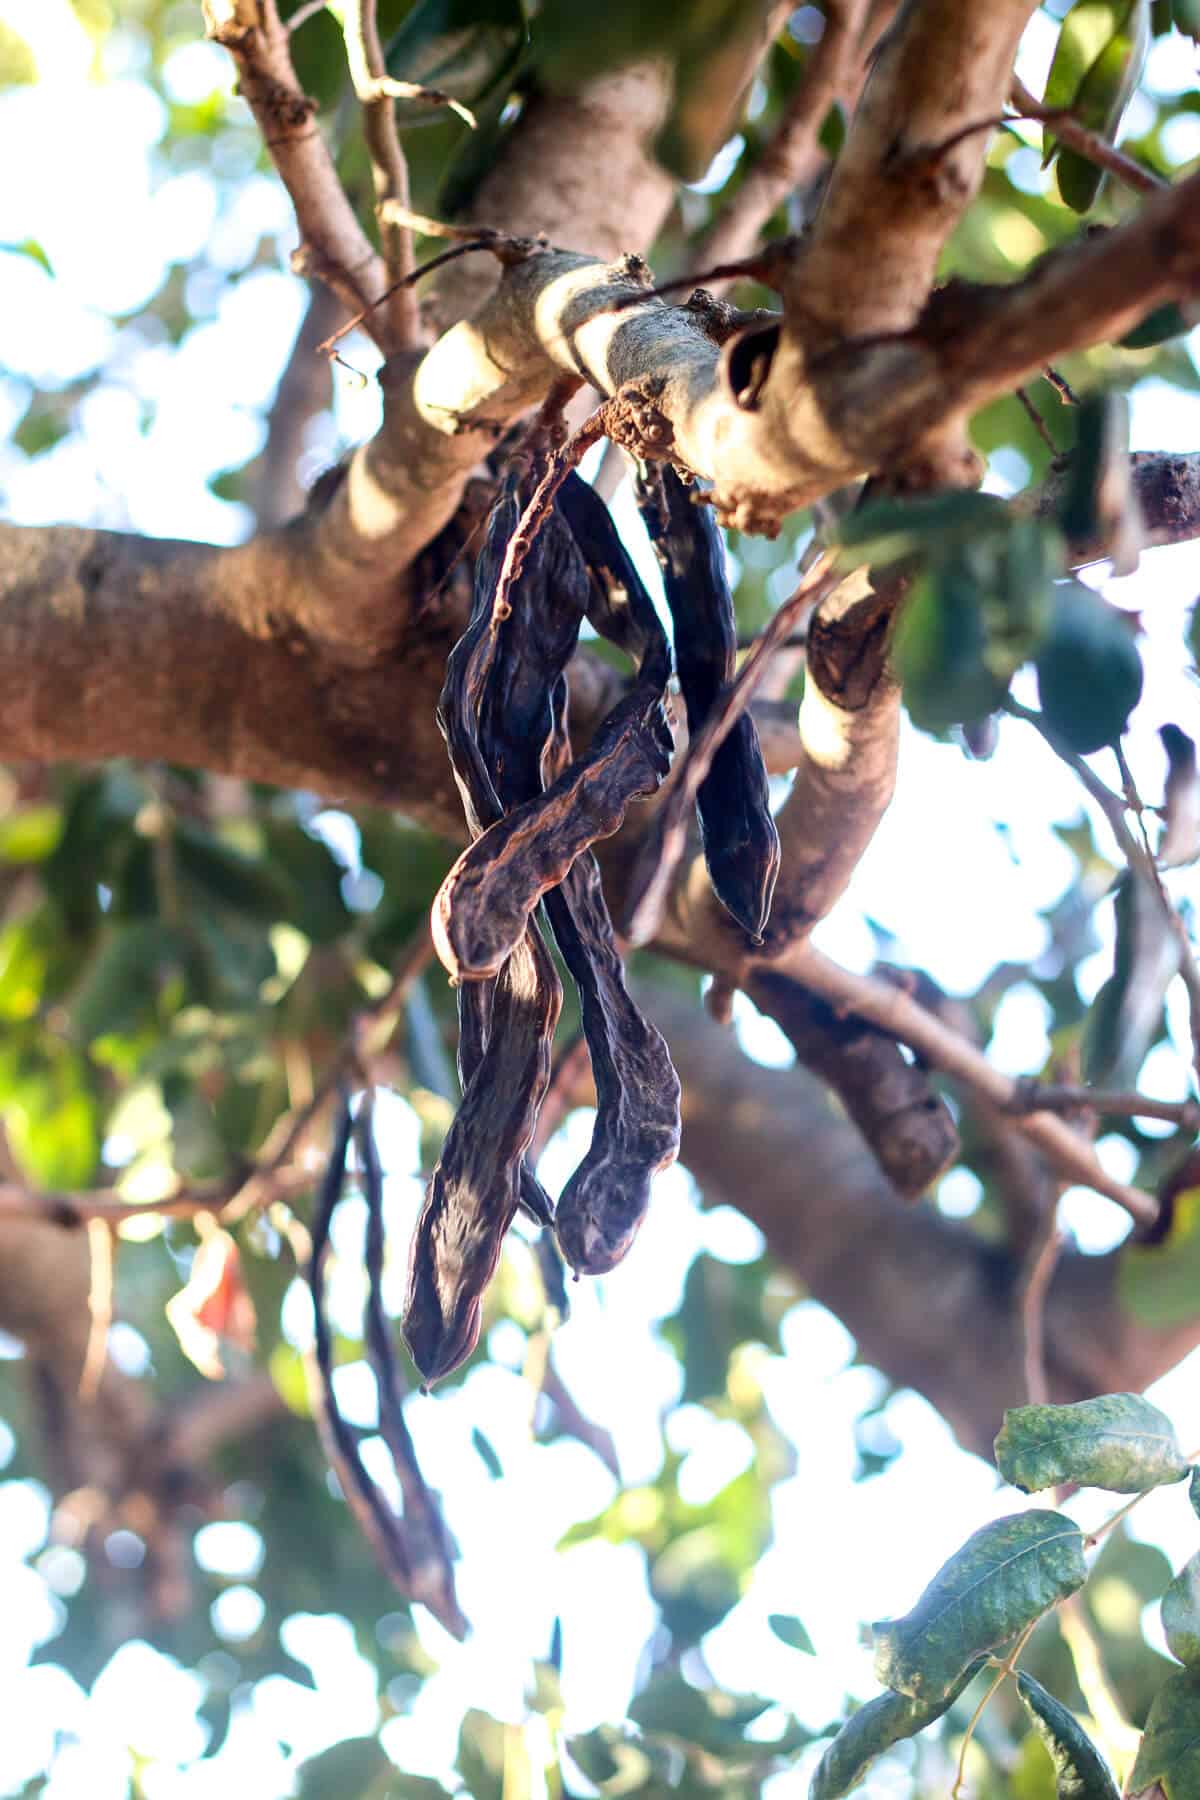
482,906
637,1090
741,844
414,1549
505,1040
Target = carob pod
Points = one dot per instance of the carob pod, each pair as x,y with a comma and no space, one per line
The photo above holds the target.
637,1090
741,844
505,1042
484,902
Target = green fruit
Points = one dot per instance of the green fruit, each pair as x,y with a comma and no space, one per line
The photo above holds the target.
1089,671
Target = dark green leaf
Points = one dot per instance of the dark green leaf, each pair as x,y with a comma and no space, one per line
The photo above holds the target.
1116,1441
487,1455
1089,671
791,1631
1165,322
1081,1773
888,530
1181,1614
481,1759
1170,1748
707,1717
465,48
1004,1577
874,1728
346,1771
941,651
125,977
1194,1490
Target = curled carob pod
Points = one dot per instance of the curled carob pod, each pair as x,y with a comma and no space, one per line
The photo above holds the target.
504,1045
637,1090
741,844
482,906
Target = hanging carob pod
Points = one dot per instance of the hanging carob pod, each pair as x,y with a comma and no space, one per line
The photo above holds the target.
413,1549
481,909
741,844
504,1044
637,1091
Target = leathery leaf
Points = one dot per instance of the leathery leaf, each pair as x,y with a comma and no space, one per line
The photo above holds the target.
1170,1747
874,1728
1116,1441
1080,1772
1002,1579
1181,1614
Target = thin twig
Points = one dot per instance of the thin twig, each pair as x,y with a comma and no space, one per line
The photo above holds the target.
304,13
1035,1286
1054,1096
1003,1671
561,462
325,348
1089,144
334,244
1122,1512
101,1249
1036,420
389,167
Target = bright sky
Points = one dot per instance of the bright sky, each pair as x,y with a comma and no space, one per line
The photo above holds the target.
980,834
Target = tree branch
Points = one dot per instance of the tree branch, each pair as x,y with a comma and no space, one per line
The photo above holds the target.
334,243
906,1282
793,155
389,169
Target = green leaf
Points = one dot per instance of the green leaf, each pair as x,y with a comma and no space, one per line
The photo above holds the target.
874,1728
1186,14
30,835
1097,64
1164,323
1194,1491
791,1631
1080,1771
349,1770
1170,1747
1100,101
487,1454
29,247
941,651
481,1758
1158,1283
50,1112
1101,441
1116,1441
1004,1577
1181,1613
1089,671
888,530
124,980
466,48
706,1717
